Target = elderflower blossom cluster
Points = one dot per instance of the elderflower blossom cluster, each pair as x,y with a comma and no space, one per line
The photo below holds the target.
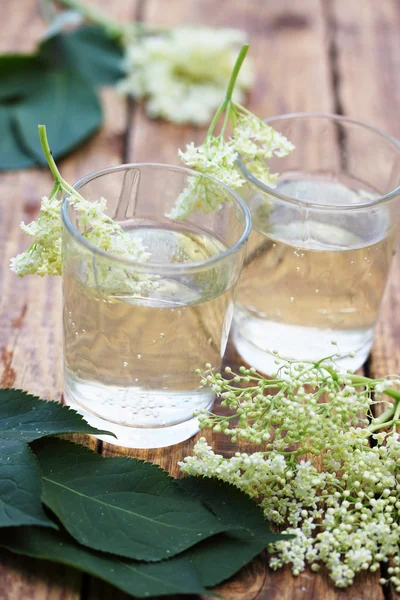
344,511
183,72
253,140
44,256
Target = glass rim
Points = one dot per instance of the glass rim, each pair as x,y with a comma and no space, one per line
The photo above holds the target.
332,117
149,267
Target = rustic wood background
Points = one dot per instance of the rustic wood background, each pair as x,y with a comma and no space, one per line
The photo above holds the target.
338,56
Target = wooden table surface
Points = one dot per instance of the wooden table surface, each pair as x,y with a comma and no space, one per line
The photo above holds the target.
338,56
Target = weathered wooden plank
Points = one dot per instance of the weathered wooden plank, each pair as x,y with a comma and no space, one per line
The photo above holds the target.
367,50
26,578
27,314
30,308
368,57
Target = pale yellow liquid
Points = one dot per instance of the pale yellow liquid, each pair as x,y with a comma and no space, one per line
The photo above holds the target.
308,283
132,360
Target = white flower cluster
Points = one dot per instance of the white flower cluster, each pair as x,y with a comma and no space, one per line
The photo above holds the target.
253,140
44,256
344,514
183,72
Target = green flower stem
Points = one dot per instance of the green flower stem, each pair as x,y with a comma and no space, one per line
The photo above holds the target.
235,71
60,183
395,394
384,420
216,117
227,103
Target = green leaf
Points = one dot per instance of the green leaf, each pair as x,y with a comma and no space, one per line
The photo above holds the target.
228,503
54,86
67,105
221,557
175,576
12,155
19,75
89,50
24,417
120,505
20,486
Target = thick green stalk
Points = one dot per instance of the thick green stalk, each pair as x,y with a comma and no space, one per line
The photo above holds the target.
234,75
52,165
216,117
226,104
384,420
47,153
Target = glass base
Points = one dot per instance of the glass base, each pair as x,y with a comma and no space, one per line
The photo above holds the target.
135,437
264,361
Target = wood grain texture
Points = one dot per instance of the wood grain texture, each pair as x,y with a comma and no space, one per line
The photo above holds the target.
30,579
368,87
30,308
30,355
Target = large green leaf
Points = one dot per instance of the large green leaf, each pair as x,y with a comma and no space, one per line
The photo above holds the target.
234,549
12,155
67,105
54,86
88,50
120,505
20,486
24,417
19,75
175,576
228,503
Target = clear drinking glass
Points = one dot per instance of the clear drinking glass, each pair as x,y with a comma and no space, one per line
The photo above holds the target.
322,242
130,357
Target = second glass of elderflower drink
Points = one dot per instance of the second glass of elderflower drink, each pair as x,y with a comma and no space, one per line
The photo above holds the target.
136,331
322,243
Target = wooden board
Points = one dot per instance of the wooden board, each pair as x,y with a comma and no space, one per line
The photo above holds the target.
368,60
30,308
314,55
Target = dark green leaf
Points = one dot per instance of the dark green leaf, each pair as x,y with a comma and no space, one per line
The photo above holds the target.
20,74
175,576
120,505
228,503
88,50
20,486
69,108
222,556
26,418
12,155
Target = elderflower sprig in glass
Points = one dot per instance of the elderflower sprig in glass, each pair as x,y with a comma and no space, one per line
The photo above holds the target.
346,514
251,138
44,256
